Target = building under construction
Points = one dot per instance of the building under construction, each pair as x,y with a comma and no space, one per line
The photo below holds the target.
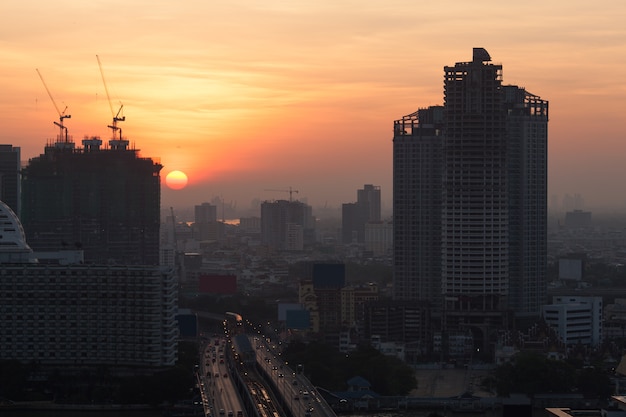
104,200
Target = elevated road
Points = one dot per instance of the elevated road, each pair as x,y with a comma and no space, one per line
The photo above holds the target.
243,375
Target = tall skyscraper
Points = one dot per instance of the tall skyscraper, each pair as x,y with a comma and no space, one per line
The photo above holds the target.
10,177
527,130
103,200
417,170
491,186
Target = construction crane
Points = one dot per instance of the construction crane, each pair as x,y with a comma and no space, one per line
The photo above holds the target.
62,114
116,116
290,191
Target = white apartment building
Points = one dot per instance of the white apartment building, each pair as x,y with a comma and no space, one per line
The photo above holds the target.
575,319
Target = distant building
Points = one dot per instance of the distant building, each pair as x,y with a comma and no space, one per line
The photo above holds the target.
105,201
205,213
10,186
379,238
57,312
369,196
352,222
354,216
578,219
404,322
287,225
250,225
577,320
572,267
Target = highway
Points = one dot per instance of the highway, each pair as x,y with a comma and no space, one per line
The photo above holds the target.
249,379
297,394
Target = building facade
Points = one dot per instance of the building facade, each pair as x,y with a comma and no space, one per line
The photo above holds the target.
577,320
57,311
10,186
369,196
470,180
354,216
287,225
417,191
105,201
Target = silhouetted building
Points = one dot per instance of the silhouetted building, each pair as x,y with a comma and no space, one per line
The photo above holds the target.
494,223
578,219
353,220
369,196
492,174
205,213
354,216
205,226
379,238
417,190
10,177
399,321
103,200
287,225
57,311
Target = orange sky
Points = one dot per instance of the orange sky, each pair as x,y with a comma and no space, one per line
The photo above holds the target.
246,96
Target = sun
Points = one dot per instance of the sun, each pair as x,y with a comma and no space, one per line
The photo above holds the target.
176,180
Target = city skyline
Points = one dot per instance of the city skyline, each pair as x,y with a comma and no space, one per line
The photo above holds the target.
301,95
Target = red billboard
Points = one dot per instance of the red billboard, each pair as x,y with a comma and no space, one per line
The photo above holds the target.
217,284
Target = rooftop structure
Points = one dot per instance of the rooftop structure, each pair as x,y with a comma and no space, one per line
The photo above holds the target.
105,201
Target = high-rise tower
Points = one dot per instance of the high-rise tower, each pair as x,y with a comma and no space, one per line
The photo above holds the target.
10,177
475,227
417,170
491,187
105,201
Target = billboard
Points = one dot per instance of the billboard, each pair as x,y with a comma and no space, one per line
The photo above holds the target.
217,284
298,319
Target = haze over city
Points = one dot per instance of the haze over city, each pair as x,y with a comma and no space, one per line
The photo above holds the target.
244,97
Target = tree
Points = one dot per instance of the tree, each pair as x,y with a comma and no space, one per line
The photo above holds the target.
533,373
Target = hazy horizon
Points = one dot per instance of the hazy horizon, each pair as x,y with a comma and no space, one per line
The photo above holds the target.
245,97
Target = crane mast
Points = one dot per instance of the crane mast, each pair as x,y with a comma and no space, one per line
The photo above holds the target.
62,115
116,116
290,191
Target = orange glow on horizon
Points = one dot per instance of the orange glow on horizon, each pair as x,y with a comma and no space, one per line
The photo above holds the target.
304,94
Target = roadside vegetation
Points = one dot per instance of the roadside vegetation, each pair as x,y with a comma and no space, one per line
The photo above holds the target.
331,369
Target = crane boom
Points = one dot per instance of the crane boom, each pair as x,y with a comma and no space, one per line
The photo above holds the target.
116,116
62,115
